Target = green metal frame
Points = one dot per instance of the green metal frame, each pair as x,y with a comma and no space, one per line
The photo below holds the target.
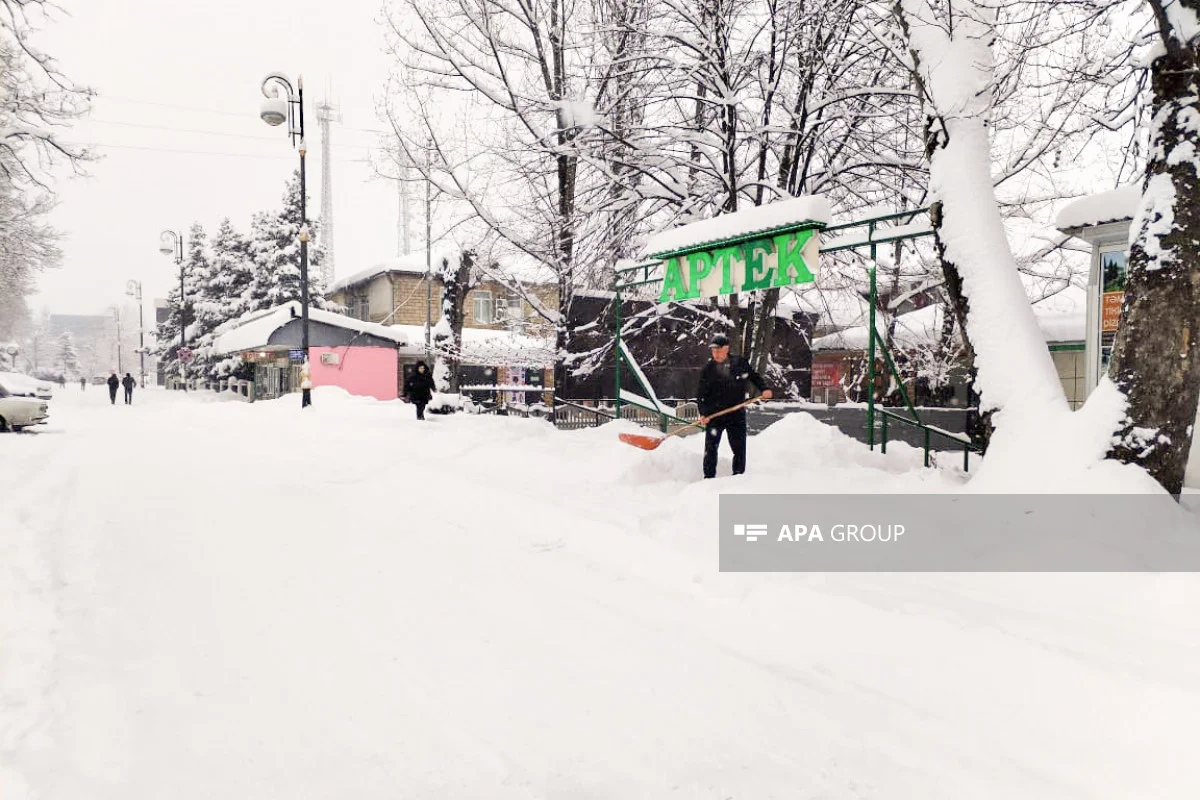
630,277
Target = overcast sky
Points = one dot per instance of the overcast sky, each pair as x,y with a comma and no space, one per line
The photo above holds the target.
197,67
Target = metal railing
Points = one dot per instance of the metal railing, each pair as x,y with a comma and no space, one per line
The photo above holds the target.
928,430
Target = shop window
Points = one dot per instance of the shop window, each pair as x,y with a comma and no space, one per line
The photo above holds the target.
1114,270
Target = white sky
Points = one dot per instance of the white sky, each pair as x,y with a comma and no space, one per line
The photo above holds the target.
203,63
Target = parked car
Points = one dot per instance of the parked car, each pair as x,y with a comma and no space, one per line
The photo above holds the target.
19,384
19,411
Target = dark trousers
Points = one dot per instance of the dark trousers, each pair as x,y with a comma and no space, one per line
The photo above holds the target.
112,394
420,409
129,396
735,425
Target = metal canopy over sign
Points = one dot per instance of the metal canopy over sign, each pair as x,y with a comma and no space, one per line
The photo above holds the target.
751,263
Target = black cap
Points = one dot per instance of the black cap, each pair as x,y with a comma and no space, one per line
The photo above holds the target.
720,340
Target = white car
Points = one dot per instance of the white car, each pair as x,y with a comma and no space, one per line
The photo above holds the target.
19,411
16,383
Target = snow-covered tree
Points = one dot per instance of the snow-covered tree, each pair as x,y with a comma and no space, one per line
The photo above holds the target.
275,248
1155,364
458,275
525,66
66,360
167,333
37,100
27,246
953,67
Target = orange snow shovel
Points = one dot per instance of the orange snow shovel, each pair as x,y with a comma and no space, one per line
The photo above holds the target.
652,442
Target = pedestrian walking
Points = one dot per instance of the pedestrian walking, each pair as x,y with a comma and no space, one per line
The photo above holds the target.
113,383
723,385
82,384
418,389
128,382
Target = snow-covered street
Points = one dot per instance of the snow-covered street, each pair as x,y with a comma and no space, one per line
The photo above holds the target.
203,598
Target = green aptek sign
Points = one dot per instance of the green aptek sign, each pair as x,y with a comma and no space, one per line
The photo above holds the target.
773,261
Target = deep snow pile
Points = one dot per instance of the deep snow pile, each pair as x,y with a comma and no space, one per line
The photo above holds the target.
213,599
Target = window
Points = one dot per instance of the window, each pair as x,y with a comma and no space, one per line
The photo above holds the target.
1113,272
514,308
358,307
483,310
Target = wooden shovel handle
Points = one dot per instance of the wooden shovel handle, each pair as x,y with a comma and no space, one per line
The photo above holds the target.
731,409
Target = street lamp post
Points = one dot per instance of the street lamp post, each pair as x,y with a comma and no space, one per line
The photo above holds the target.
134,289
282,105
171,244
117,317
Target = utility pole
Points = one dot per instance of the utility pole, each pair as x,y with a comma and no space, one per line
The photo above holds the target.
134,289
428,254
117,317
404,242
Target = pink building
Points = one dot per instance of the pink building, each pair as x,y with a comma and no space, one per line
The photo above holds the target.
361,357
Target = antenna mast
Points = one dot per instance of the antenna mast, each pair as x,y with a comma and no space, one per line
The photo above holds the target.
327,113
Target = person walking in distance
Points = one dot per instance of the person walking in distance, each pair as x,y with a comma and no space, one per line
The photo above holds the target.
128,382
113,383
82,384
418,389
723,385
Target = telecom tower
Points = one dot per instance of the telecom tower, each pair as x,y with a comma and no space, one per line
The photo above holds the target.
327,113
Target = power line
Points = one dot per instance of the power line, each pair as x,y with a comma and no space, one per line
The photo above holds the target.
209,133
200,152
222,112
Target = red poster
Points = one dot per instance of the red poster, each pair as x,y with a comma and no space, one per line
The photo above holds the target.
825,374
1110,311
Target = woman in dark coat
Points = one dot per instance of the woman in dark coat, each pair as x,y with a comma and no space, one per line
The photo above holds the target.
419,388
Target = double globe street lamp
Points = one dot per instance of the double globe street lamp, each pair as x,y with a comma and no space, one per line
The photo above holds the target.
282,105
170,243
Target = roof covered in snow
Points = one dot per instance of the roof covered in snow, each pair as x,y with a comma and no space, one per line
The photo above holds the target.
759,219
1097,209
413,264
255,329
921,328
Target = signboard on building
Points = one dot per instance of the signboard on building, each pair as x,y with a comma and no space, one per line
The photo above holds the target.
764,262
826,374
296,355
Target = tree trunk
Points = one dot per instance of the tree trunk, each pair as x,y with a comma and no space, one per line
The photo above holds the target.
1154,364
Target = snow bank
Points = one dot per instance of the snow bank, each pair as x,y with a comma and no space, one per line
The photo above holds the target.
478,607
759,219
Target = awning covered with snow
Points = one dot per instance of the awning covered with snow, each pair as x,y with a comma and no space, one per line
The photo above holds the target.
759,219
1117,205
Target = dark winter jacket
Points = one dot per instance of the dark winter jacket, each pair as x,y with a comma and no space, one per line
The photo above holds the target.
128,382
722,388
419,386
113,382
